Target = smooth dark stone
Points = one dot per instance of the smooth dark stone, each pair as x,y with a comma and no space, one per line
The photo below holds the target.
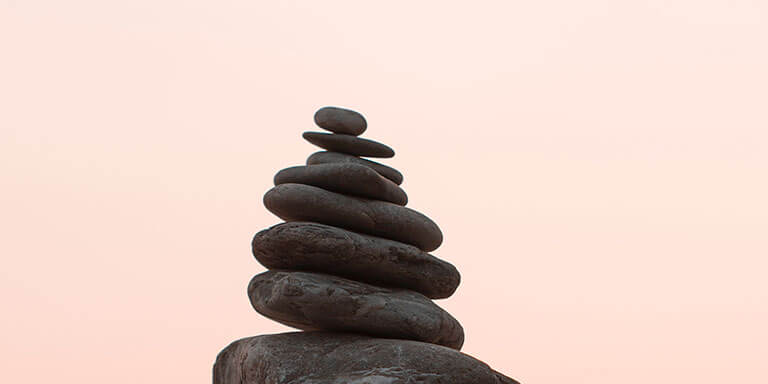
299,202
340,120
322,248
336,157
333,358
348,144
315,301
349,179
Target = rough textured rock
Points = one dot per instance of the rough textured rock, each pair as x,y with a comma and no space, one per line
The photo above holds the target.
374,260
331,358
349,179
298,202
314,301
340,120
348,144
325,157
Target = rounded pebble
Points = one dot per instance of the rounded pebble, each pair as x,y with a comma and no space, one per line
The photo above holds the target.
373,260
340,120
299,202
349,179
348,144
324,157
315,301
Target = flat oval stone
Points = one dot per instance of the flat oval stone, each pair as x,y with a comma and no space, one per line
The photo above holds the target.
299,202
350,179
336,358
373,260
314,301
324,157
348,144
340,120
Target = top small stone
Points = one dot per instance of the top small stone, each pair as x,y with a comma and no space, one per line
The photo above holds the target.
340,120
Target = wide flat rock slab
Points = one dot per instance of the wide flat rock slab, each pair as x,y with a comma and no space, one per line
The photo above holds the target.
299,202
315,301
349,144
349,179
374,260
340,120
325,157
331,358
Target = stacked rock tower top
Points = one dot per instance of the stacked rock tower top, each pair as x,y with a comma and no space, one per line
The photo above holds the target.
350,267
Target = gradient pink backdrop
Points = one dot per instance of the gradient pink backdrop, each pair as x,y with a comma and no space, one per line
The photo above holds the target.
599,169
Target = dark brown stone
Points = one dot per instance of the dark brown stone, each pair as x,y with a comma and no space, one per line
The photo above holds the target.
331,358
315,301
340,120
373,260
299,202
325,157
348,144
349,179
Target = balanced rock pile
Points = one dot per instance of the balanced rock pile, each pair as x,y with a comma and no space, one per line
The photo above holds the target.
350,265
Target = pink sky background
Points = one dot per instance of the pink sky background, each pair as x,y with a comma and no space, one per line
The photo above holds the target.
599,170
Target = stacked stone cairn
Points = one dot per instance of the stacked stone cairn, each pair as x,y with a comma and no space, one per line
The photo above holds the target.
350,267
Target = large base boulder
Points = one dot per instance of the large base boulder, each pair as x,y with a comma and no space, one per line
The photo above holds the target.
335,358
